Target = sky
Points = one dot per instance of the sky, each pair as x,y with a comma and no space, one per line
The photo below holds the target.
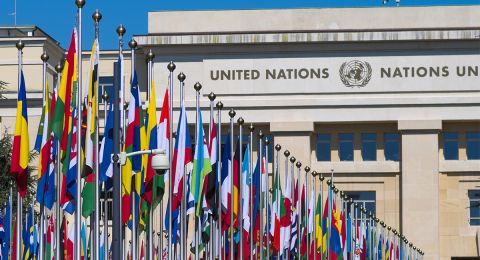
58,17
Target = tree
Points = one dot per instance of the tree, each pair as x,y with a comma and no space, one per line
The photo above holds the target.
7,182
3,86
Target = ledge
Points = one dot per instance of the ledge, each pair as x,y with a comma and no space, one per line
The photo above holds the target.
459,166
358,167
307,37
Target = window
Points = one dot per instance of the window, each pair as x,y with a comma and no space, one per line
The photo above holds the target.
450,146
392,146
105,84
365,199
369,147
473,145
474,198
109,204
323,147
346,146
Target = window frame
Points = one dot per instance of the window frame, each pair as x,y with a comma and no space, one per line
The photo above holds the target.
450,140
323,141
471,137
470,200
345,142
365,141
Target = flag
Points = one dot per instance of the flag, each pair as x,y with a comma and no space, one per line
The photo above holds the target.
335,231
245,201
6,227
26,233
42,146
133,143
201,164
256,202
102,243
83,244
142,252
49,239
20,149
182,156
62,111
69,241
226,185
163,142
69,166
294,216
152,140
211,194
276,201
88,191
106,148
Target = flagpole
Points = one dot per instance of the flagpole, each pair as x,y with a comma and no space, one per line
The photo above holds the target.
260,159
278,147
58,69
231,113
44,57
240,122
78,202
151,233
117,178
292,175
219,179
330,201
314,209
213,233
297,209
197,88
171,67
183,213
321,215
96,16
105,192
267,196
252,225
134,207
19,46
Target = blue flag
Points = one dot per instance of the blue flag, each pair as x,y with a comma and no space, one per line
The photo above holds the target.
6,228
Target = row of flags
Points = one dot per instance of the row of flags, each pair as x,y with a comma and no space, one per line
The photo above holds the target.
219,189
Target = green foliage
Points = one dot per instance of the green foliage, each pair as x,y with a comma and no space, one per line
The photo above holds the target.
3,86
6,181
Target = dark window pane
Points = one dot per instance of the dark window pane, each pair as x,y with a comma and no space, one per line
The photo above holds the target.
369,147
473,145
363,198
475,222
474,209
474,194
323,147
346,146
392,146
450,146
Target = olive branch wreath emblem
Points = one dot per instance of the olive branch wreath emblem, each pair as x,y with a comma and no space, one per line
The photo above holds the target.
363,82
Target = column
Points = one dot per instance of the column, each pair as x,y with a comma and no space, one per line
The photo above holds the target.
419,184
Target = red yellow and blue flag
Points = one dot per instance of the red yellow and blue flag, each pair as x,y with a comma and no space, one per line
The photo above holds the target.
20,150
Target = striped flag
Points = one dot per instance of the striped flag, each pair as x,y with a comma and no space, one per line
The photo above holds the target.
182,156
69,166
44,150
133,164
62,113
163,142
226,185
88,191
49,239
21,148
201,164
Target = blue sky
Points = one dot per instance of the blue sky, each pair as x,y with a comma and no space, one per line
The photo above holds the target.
57,17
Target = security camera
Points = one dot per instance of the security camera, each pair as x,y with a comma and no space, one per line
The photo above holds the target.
160,163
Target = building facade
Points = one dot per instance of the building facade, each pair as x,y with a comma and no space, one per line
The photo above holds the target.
387,98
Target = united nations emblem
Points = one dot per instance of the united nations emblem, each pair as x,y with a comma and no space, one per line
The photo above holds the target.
355,73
